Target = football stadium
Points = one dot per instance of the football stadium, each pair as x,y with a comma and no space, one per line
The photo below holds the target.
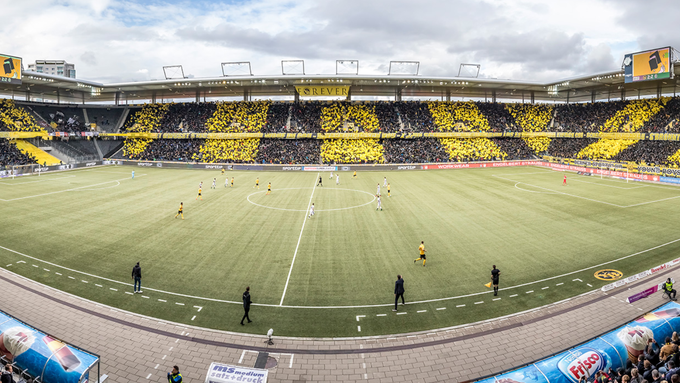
344,227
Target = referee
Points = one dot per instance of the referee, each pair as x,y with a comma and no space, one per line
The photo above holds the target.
495,274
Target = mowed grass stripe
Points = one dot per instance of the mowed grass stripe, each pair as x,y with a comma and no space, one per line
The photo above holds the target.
468,219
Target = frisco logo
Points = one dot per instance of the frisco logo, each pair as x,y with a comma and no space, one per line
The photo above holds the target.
582,362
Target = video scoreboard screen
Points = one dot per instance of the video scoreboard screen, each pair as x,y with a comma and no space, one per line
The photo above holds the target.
655,64
10,69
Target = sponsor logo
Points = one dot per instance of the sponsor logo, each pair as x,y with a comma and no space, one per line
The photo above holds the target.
345,168
406,167
160,164
144,164
44,169
291,168
91,164
214,166
608,275
582,362
319,168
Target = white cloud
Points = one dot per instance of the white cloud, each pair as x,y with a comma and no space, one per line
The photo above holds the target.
532,40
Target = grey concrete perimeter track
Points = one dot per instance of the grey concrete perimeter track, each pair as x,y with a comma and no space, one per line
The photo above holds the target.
139,349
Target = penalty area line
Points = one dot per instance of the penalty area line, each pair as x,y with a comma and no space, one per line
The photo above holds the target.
304,221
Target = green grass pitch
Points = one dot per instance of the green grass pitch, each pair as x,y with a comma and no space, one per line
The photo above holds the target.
82,231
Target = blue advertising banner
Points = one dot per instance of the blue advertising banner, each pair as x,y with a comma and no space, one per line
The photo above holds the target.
40,355
609,351
670,179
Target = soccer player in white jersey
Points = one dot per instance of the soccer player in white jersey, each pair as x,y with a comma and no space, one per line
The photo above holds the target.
384,181
214,185
331,177
337,179
378,192
226,182
379,203
311,211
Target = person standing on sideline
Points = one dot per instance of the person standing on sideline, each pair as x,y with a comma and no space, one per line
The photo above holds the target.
137,277
246,305
495,274
398,291
668,287
133,174
421,250
337,179
564,183
174,376
7,374
311,211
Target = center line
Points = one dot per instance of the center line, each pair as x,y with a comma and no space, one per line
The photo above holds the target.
298,242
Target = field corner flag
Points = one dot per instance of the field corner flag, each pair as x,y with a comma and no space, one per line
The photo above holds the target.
488,285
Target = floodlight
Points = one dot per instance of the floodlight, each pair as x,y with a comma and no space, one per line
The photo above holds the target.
236,68
292,67
469,70
410,68
173,72
347,67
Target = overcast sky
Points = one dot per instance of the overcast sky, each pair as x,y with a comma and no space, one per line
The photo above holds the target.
113,41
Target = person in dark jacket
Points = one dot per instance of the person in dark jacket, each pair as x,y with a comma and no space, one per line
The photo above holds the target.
137,277
398,291
7,374
246,305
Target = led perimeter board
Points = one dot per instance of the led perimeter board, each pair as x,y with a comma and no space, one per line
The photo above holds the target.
10,69
654,64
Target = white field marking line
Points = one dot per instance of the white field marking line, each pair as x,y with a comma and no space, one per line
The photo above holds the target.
58,273
45,269
530,291
559,284
127,292
32,182
513,295
63,191
517,174
460,305
421,311
193,317
401,313
545,288
108,187
531,191
98,285
304,221
162,300
381,315
496,299
111,288
441,308
347,307
359,328
589,285
240,360
557,192
360,316
341,208
479,303
645,203
9,265
611,186
199,308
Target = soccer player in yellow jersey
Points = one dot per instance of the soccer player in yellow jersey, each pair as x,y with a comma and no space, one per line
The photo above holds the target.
355,174
222,171
269,188
199,194
232,181
181,210
257,183
422,251
388,190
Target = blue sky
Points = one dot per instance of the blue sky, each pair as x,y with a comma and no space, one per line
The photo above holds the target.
113,41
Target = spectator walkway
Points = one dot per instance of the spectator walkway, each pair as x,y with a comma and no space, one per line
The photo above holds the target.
134,348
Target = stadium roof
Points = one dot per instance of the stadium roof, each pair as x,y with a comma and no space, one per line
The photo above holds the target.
587,88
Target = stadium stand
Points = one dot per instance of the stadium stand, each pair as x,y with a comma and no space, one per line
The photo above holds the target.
646,115
10,155
41,157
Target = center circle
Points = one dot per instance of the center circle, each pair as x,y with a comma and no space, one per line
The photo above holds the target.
306,199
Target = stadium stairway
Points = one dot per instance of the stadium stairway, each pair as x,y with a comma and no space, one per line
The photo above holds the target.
42,156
